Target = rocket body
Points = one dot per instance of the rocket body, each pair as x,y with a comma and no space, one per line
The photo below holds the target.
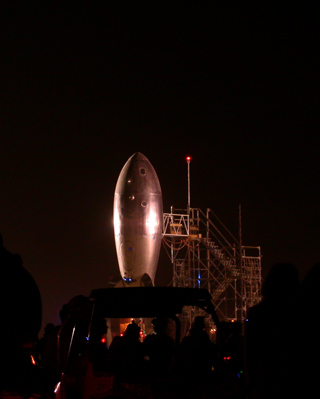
138,215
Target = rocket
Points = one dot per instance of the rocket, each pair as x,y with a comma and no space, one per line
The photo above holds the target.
137,217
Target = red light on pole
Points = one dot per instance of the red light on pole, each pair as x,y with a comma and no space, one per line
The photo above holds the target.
188,159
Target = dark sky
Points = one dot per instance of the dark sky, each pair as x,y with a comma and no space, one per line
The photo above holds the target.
84,85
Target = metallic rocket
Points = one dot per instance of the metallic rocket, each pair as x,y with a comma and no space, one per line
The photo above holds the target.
137,216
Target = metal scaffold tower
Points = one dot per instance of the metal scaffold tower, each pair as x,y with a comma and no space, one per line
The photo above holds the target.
204,254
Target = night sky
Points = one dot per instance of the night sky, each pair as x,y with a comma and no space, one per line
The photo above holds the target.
84,85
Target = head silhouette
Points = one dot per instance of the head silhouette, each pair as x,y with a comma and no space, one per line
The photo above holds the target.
282,282
132,332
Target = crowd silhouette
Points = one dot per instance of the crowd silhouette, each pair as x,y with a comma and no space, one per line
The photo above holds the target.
273,354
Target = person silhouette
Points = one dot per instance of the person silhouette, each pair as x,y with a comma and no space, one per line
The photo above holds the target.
309,331
21,314
126,353
71,337
195,358
271,339
158,348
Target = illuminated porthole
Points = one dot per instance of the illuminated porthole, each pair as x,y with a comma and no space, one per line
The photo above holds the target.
131,197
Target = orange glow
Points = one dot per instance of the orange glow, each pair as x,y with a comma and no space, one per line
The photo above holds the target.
32,360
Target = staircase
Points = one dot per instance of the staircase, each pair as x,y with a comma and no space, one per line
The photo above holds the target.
228,263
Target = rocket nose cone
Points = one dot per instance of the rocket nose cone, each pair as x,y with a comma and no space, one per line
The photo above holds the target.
138,156
138,175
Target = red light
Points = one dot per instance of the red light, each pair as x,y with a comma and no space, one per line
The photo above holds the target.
188,159
103,340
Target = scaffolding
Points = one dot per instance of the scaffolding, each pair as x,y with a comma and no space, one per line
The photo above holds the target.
204,254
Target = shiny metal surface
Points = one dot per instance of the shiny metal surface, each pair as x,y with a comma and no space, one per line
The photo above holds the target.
137,216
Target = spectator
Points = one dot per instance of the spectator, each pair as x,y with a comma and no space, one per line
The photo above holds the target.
21,312
126,354
158,349
271,338
75,328
195,359
309,332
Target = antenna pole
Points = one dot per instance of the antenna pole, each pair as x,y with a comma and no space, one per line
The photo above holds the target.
188,159
240,226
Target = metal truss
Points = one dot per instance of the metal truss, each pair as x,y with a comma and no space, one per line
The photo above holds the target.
204,254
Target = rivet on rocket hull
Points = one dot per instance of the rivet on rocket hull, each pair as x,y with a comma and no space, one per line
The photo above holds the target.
137,216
